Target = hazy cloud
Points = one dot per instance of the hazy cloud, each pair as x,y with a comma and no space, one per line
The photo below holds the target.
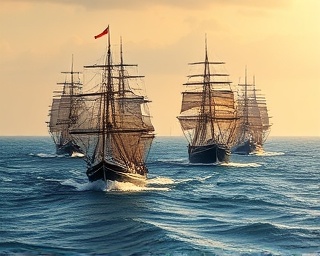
181,4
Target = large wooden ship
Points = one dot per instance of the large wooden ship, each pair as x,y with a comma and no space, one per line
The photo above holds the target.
63,112
208,114
114,126
253,125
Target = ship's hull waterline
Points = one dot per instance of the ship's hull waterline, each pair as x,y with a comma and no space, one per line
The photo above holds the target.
110,171
68,149
208,154
244,148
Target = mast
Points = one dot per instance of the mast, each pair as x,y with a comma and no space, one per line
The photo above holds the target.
207,81
71,92
246,108
106,89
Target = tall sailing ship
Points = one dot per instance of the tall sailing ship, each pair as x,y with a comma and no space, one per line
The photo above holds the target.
208,114
63,112
114,126
254,125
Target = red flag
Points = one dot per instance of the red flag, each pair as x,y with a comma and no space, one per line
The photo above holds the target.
104,32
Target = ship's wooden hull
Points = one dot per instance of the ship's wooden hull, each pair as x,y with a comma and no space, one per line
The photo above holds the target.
68,149
208,154
244,148
110,171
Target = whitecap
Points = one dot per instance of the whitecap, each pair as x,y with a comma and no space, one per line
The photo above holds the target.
6,179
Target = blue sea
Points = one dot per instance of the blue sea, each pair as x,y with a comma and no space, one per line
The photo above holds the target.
267,204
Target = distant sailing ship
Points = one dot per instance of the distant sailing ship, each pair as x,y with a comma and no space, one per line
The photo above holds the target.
208,114
63,113
254,126
114,126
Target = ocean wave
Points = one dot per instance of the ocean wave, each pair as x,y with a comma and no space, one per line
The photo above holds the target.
6,179
18,248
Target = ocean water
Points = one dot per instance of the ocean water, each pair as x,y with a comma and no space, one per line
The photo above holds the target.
266,204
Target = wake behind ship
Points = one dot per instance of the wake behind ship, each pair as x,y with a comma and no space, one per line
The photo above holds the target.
62,115
208,114
114,126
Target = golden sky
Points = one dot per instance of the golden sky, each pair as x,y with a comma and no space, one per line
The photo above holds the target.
278,41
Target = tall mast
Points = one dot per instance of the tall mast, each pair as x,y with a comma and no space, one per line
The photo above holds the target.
71,94
208,87
71,91
105,89
121,71
246,108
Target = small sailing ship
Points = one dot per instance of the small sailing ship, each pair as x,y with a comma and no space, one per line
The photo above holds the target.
208,114
62,114
253,125
114,126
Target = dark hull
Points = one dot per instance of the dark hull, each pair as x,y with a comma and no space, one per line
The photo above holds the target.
109,171
208,154
244,148
68,149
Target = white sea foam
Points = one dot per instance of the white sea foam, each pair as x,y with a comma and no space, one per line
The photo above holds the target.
232,164
45,155
269,153
160,180
77,154
96,185
100,185
127,186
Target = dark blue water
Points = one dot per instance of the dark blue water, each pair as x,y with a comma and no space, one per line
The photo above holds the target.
256,205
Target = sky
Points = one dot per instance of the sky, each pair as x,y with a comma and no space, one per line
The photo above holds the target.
277,40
